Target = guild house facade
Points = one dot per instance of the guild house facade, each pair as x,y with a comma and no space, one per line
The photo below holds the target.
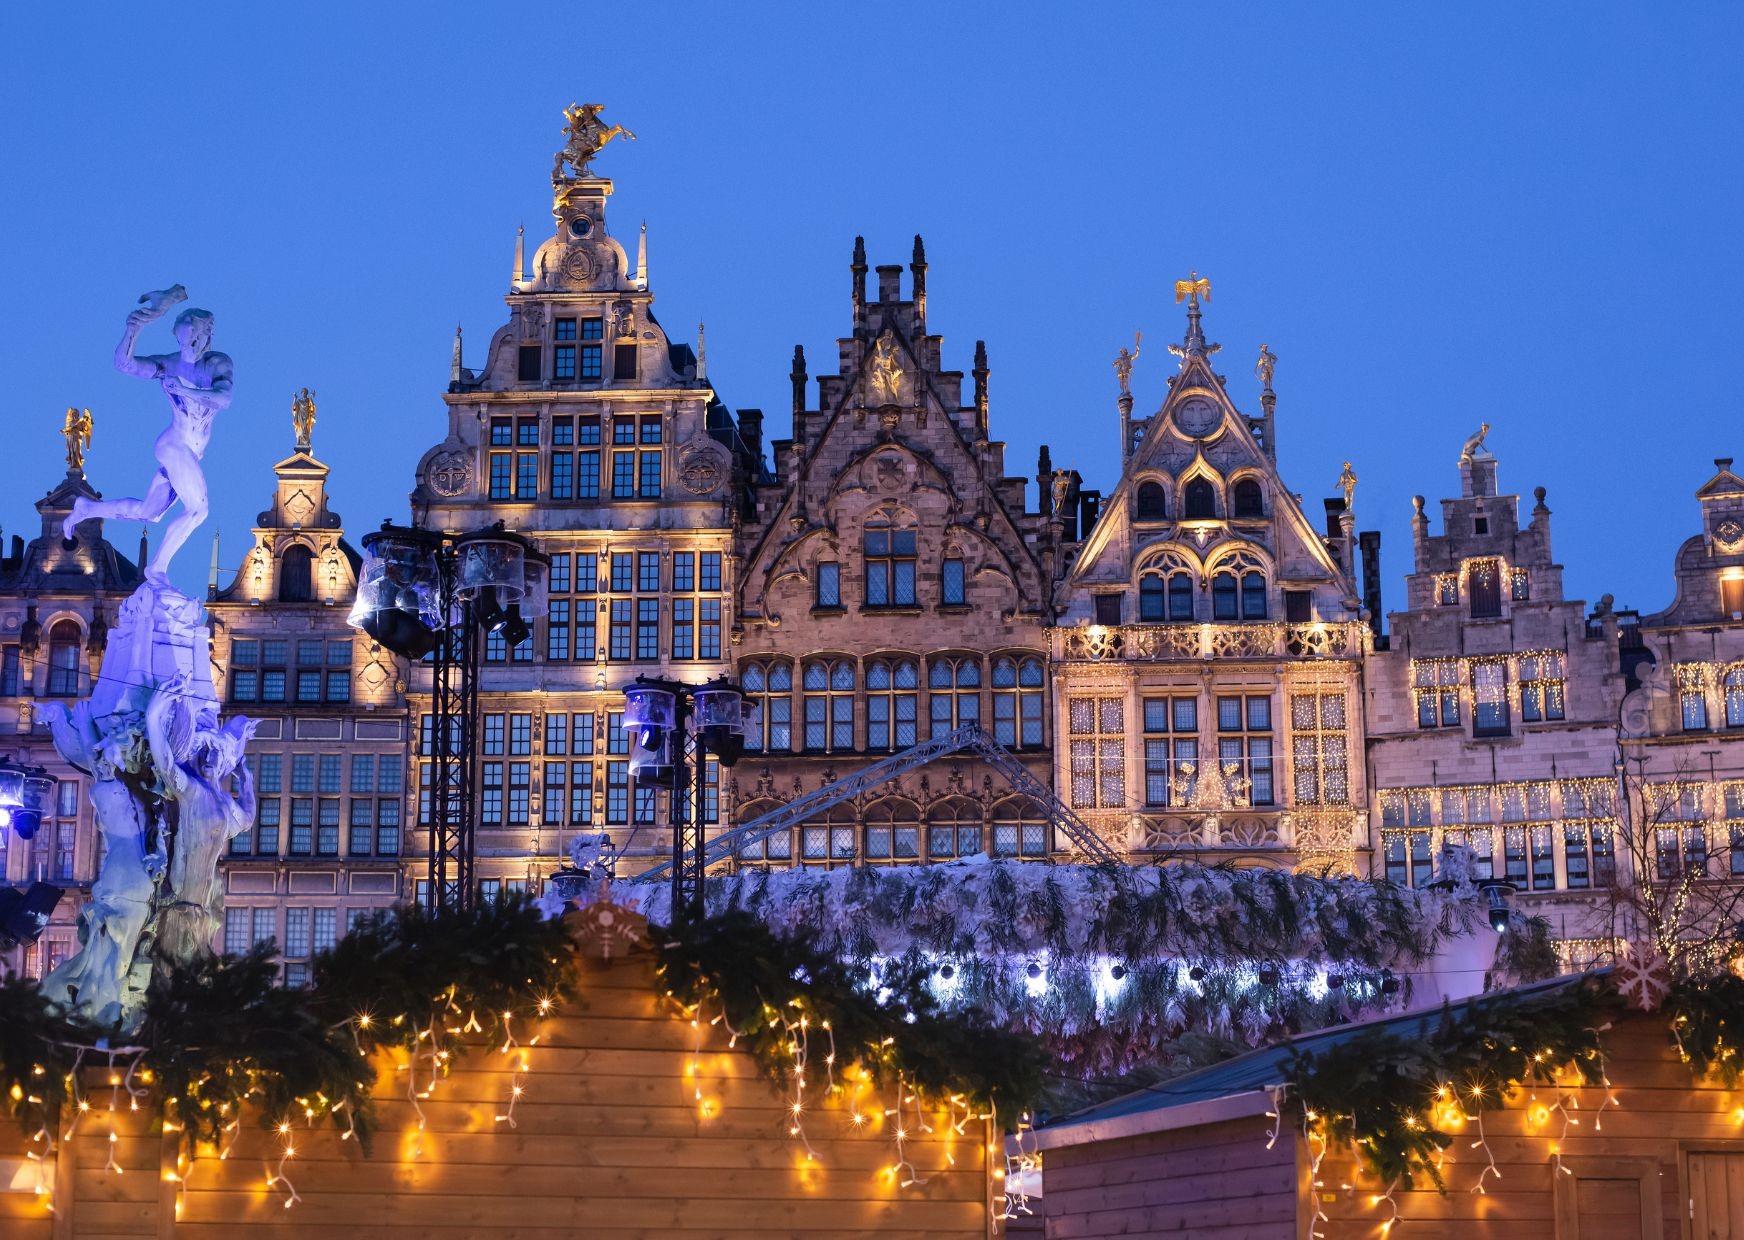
1182,656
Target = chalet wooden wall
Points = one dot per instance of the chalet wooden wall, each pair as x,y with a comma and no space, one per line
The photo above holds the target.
1630,1176
610,1144
1219,1182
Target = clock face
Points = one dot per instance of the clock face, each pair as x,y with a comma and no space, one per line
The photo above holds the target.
1198,417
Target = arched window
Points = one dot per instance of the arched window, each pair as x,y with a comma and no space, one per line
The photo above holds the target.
1200,500
1020,828
953,693
891,697
296,575
1017,701
829,706
1151,503
769,686
778,847
892,830
953,829
1253,596
1246,499
1732,686
1180,596
1150,597
63,659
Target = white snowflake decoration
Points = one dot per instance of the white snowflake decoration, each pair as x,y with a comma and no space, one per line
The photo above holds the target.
1643,976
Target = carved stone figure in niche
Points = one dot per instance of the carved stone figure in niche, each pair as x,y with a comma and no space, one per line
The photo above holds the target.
624,320
197,382
885,373
330,572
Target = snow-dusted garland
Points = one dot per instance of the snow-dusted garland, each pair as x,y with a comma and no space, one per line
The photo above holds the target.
1108,963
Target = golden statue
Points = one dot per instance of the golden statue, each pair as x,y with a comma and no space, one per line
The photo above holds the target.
1194,285
1347,485
585,134
1267,364
1123,364
77,431
303,417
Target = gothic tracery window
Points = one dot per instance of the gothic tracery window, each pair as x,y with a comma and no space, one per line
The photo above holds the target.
953,693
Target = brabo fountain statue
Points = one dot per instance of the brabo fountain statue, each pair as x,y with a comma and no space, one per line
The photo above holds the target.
168,780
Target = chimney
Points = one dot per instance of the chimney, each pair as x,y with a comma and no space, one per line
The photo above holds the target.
890,282
858,267
1044,483
1370,542
751,435
918,268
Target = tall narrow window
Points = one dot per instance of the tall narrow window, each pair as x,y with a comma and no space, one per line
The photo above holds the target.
953,693
1097,730
1732,690
890,566
1150,598
892,697
1017,702
1199,500
1541,686
1484,586
1244,749
1225,597
1319,758
1171,750
829,583
1436,684
1180,596
951,584
296,575
1151,503
1692,693
1247,500
770,688
829,705
63,659
592,330
1489,697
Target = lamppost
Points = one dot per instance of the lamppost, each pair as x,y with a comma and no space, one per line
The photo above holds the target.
24,794
661,716
429,595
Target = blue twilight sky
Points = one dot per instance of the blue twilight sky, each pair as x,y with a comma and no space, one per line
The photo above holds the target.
1435,214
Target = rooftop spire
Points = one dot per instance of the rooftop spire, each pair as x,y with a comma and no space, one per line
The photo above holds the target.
858,267
701,355
642,259
1189,291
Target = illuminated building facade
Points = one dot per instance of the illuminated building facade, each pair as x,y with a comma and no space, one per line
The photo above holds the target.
590,432
1207,658
1492,714
57,602
329,755
894,588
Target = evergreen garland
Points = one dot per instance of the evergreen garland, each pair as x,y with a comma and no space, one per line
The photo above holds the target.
1380,1091
35,1055
761,982
1706,1014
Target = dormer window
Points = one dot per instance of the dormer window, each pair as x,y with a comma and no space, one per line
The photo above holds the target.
1151,503
1247,499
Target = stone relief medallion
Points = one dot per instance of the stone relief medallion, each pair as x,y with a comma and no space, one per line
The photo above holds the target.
890,472
1729,533
699,473
373,675
579,267
450,473
532,321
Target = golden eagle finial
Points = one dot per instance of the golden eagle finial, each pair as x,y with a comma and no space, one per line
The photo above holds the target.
1195,285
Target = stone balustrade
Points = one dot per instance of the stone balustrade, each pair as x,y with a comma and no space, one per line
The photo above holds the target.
1144,643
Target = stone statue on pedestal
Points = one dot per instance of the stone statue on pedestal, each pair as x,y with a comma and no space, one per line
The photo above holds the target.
197,382
161,763
76,430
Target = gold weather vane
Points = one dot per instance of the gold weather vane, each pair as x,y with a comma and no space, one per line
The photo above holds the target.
303,417
77,432
1195,285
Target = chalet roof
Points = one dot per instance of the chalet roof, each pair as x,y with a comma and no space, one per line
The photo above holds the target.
1238,1087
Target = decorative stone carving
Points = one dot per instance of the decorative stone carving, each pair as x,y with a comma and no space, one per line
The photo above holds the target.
584,135
1729,534
450,473
884,375
579,266
699,472
299,508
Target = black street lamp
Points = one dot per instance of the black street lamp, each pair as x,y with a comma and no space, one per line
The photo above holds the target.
429,595
24,794
661,716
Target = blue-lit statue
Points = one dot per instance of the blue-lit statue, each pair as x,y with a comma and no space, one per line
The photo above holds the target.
197,381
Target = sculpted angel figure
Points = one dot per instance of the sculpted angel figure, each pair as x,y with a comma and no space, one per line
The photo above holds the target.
1474,445
195,759
197,382
1123,364
77,432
